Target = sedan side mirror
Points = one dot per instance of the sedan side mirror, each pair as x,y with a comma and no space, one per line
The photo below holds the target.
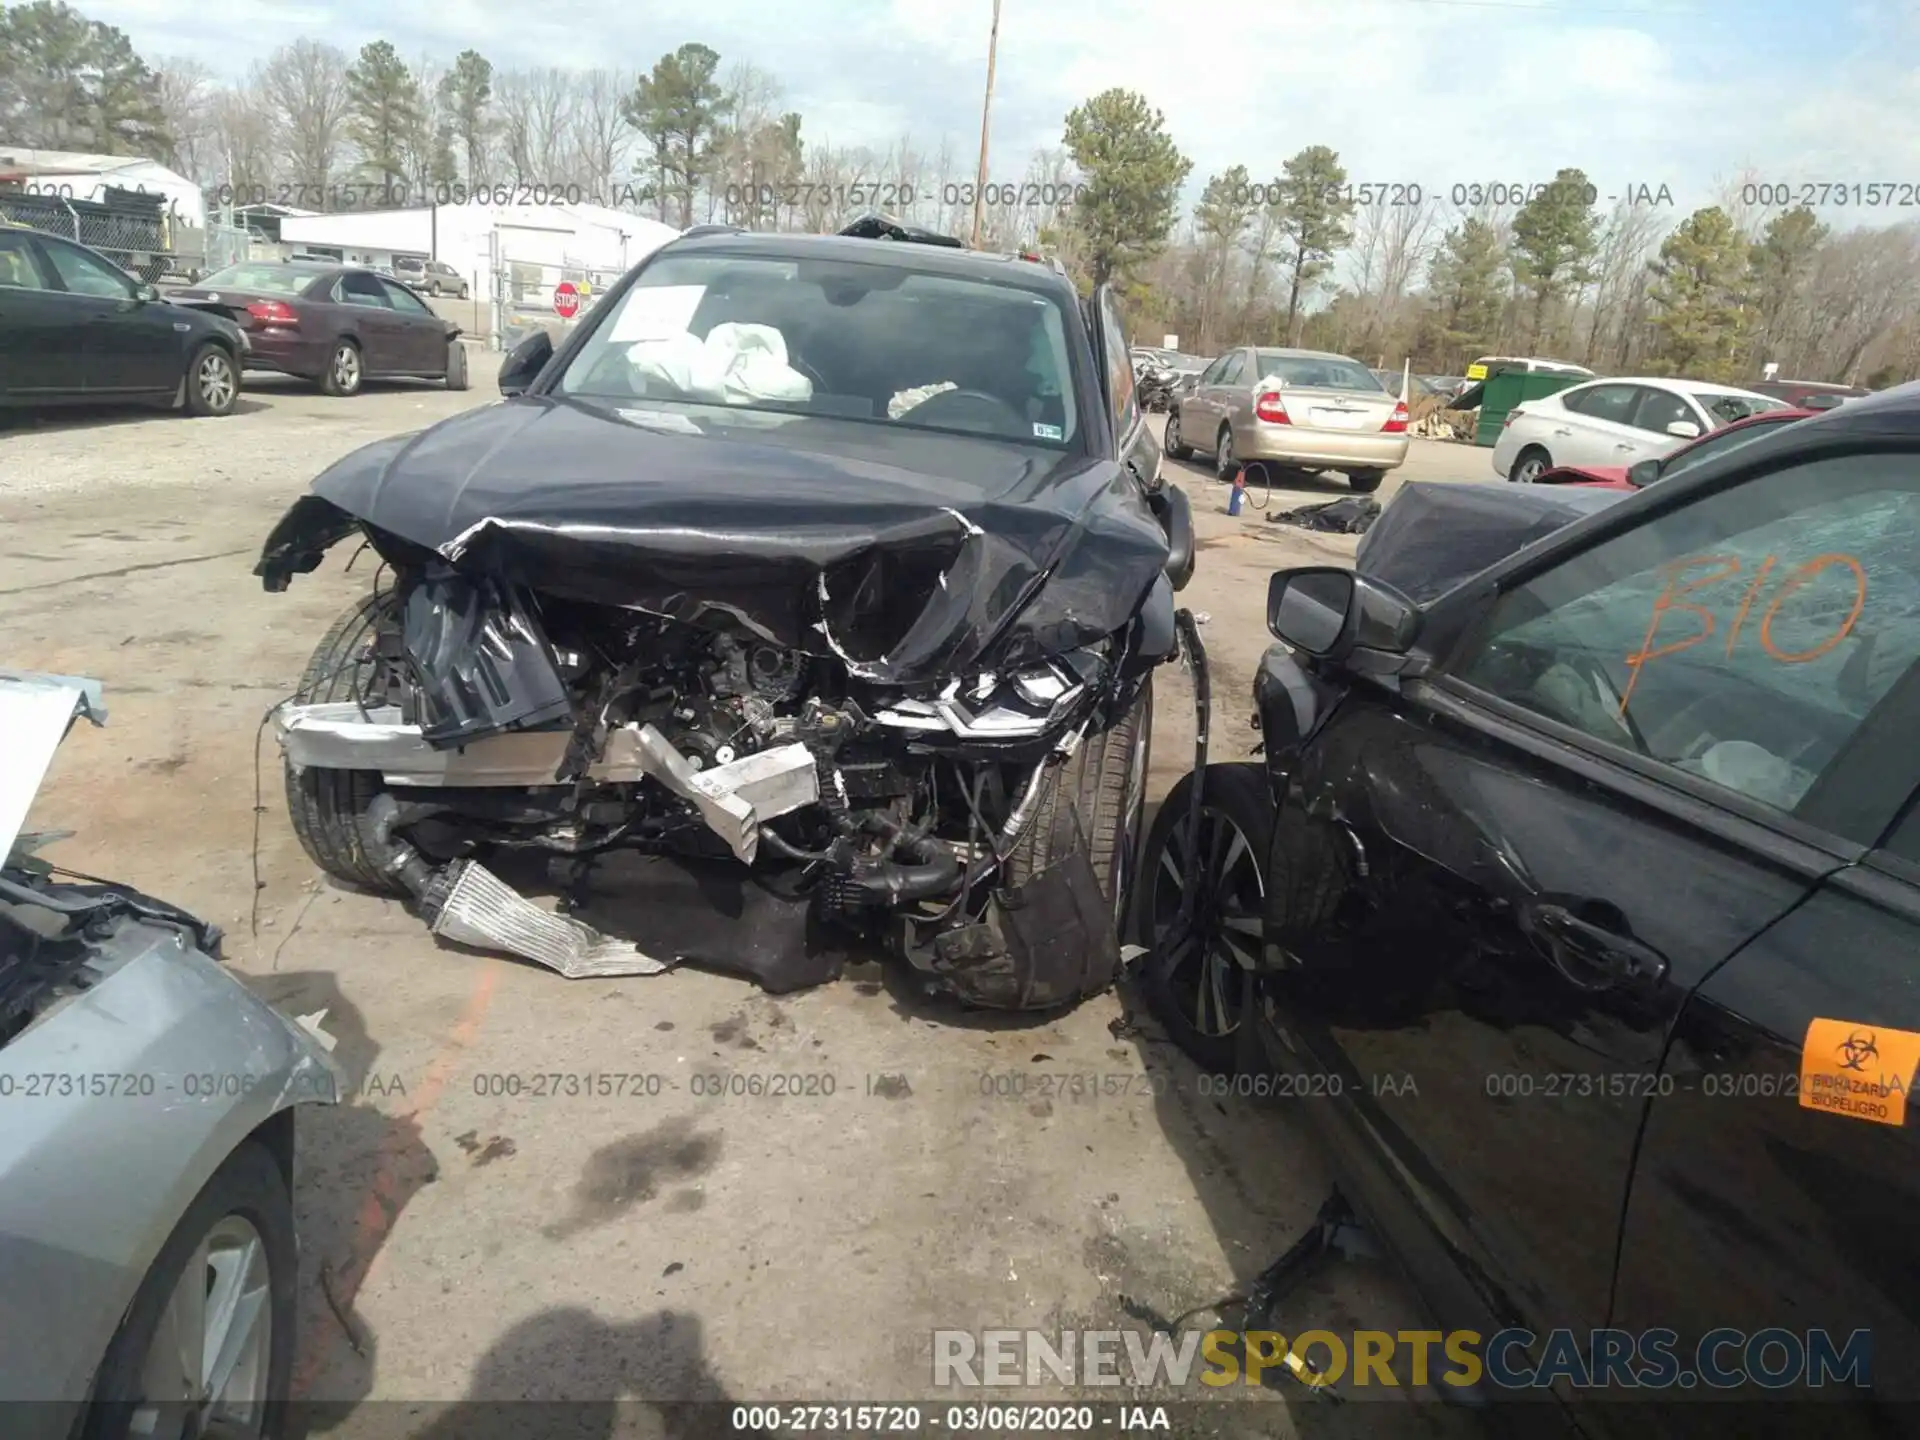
1328,612
1685,429
525,362
1643,474
146,292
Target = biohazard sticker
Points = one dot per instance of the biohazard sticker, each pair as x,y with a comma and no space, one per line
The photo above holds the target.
1860,1071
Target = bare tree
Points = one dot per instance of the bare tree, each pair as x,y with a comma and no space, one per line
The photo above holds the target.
187,92
1626,243
1732,197
304,87
599,133
536,109
243,140
1391,244
1864,284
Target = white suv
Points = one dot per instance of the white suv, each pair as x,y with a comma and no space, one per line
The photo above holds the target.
1616,422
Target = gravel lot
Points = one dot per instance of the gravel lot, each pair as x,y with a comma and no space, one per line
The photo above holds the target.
490,1246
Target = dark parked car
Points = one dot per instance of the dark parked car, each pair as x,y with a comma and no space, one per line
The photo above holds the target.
76,327
830,571
1612,847
338,325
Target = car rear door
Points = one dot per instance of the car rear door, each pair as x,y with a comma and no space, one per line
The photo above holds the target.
384,339
1190,404
127,345
1593,426
1495,895
424,332
1221,400
40,325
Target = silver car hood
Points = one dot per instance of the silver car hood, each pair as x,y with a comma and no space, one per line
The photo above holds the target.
36,711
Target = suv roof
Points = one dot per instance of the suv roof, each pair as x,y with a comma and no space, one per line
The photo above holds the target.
1004,269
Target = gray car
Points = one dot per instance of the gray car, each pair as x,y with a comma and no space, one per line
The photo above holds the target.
147,1252
1290,410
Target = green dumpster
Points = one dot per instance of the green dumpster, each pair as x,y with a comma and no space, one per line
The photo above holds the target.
1510,389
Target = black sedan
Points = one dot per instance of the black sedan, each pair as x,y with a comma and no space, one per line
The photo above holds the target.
75,327
1581,892
337,325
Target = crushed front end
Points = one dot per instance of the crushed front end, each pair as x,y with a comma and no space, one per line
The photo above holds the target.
764,804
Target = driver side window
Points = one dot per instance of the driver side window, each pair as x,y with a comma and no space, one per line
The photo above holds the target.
85,274
1742,639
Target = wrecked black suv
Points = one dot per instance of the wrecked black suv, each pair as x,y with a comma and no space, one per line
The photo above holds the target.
828,573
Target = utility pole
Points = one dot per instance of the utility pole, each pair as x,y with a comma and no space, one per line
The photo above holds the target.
986,112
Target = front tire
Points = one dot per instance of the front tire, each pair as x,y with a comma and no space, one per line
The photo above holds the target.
456,365
1171,441
1529,465
1194,981
345,372
328,808
1096,799
213,381
219,1298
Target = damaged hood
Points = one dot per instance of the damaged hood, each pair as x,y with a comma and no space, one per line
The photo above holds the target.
36,711
910,555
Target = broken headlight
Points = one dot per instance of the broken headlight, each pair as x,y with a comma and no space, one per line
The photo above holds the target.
990,706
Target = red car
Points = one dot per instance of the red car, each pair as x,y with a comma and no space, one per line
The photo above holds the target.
338,325
1634,477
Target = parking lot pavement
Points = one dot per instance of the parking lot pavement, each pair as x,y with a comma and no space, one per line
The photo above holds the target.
489,1233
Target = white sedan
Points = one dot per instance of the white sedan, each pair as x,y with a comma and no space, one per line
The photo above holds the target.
1616,422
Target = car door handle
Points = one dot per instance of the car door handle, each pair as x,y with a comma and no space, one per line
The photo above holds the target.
1626,445
1590,956
1564,430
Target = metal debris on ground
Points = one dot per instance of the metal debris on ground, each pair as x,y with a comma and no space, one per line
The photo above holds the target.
484,911
1350,516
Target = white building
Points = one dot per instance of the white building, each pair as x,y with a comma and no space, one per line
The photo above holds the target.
75,176
477,239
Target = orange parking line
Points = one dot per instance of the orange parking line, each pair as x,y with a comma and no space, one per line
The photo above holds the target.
380,1206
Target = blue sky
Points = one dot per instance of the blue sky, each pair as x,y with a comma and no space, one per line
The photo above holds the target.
1692,94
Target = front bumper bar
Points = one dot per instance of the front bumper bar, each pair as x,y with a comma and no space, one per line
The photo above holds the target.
734,799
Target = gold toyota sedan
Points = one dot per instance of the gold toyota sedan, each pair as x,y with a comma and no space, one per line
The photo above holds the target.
1291,410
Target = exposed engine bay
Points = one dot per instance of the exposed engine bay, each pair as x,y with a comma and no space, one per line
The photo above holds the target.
497,720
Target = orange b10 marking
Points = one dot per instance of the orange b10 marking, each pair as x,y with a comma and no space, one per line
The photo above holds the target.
1672,595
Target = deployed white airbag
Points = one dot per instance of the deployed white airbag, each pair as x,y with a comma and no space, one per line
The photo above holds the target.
735,365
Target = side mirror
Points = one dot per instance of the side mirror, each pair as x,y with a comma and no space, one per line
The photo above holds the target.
1643,474
145,292
525,362
1328,612
1685,429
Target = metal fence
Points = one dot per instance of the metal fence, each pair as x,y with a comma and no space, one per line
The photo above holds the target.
522,294
135,231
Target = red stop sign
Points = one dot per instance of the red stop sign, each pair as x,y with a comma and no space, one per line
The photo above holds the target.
566,300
